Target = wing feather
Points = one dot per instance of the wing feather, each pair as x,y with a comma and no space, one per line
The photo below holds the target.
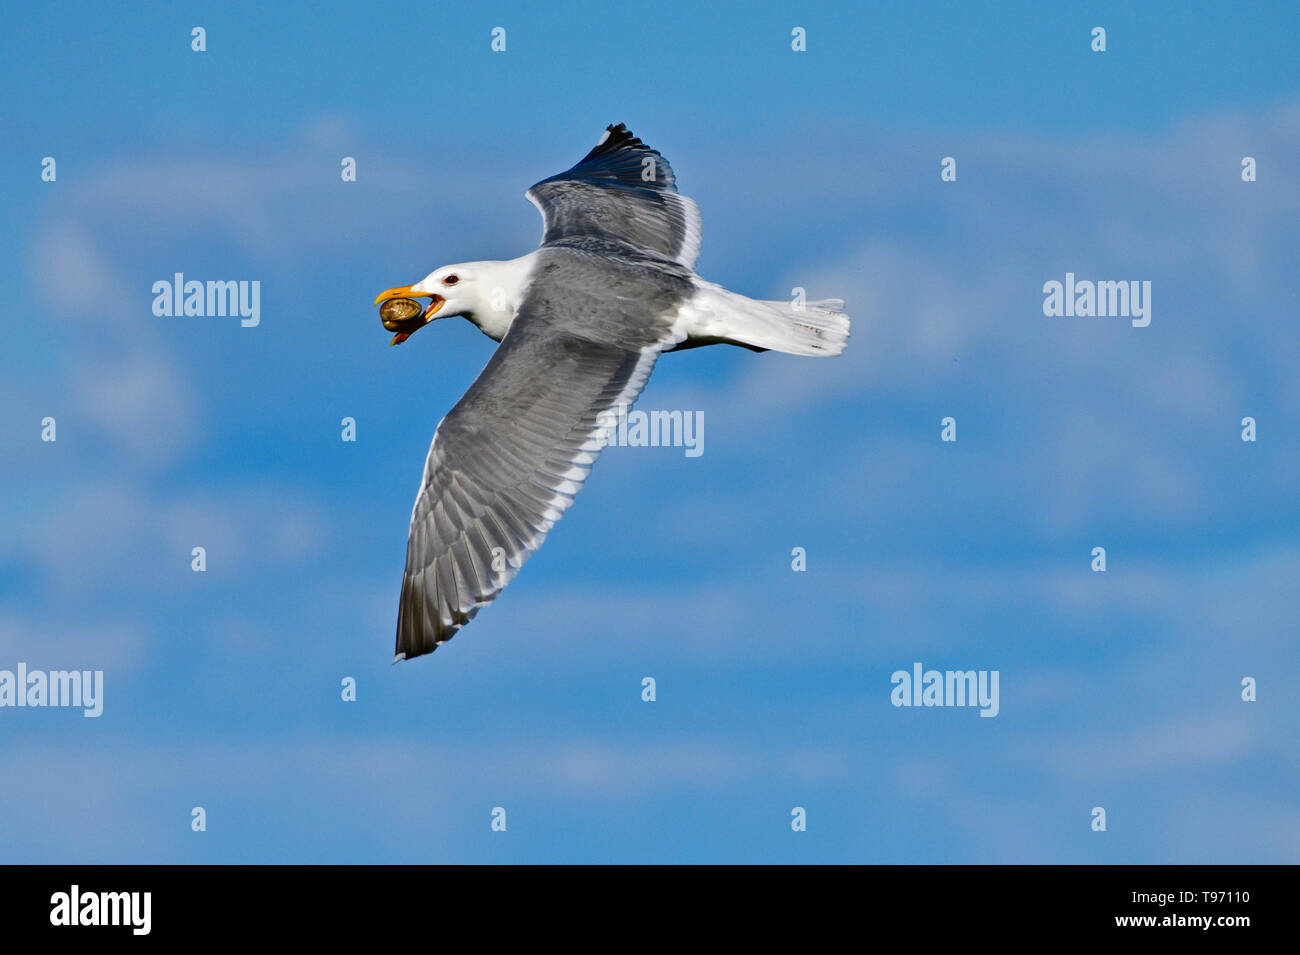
622,191
504,465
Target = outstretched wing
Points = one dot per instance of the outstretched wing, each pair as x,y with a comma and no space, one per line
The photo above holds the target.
625,191
510,456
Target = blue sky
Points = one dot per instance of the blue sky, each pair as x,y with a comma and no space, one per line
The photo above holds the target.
817,169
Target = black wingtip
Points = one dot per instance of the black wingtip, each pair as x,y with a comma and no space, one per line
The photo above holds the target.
620,157
618,136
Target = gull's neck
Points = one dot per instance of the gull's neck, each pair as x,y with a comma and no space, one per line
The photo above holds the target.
503,285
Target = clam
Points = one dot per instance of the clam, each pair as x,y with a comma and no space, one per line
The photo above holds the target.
400,314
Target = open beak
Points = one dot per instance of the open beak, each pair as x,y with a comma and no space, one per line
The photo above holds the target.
403,316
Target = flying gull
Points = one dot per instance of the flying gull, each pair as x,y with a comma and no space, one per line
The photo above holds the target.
581,322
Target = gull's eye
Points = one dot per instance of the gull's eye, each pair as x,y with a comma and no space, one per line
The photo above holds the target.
451,280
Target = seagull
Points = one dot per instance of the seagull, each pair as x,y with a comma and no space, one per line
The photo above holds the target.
581,321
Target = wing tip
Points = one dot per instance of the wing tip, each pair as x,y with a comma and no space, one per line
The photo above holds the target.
618,136
617,159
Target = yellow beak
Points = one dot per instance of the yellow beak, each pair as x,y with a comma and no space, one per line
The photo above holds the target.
405,291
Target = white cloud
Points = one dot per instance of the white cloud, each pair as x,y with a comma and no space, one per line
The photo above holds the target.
1193,741
114,535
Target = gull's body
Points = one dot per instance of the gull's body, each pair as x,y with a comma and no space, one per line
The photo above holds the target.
581,322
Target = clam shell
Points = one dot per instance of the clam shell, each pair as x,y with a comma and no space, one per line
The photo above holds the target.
397,312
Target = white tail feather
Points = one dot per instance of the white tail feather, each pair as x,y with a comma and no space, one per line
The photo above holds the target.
817,328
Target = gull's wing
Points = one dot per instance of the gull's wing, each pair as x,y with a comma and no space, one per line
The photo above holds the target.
509,457
625,191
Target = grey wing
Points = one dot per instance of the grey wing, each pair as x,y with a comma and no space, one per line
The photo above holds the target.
625,191
504,465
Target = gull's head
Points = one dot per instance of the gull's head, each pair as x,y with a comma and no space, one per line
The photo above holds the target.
451,290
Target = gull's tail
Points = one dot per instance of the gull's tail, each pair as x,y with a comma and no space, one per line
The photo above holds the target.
818,328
